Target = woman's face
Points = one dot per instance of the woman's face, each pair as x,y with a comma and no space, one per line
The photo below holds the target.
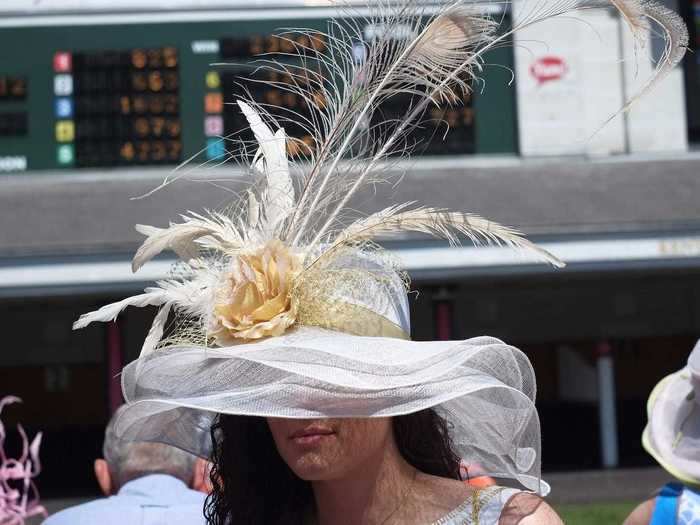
325,449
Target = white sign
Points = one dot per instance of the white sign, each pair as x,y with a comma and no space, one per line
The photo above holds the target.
18,163
570,86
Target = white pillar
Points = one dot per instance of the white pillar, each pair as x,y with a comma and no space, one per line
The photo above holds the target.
607,415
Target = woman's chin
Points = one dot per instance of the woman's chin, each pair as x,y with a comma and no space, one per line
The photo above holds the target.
313,466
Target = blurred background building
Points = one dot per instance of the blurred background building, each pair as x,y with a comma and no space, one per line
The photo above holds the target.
98,104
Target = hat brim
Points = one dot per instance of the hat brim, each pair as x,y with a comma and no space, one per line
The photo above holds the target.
483,387
669,410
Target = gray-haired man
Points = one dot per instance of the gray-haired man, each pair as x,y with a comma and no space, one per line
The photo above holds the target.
147,483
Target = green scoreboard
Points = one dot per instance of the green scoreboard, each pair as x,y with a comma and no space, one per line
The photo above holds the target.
129,89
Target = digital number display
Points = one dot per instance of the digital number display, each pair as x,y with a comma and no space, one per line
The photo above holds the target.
258,44
126,108
237,82
12,88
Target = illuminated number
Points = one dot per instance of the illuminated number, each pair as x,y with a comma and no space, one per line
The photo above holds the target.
125,105
452,117
293,147
273,97
256,45
319,99
158,152
286,44
155,58
155,81
437,114
18,88
171,104
212,80
156,104
173,127
272,44
303,41
467,116
143,150
139,105
174,150
63,85
318,42
171,81
309,142
170,57
138,58
141,127
290,100
157,125
127,151
65,131
213,125
139,82
213,103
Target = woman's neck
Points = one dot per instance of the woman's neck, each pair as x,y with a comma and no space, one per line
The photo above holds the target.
369,495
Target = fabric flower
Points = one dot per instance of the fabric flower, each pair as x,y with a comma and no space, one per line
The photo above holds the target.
254,299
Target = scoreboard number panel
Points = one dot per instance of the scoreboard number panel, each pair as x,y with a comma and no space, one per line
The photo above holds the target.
123,95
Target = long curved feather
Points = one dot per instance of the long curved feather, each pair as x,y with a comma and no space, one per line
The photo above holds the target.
109,312
448,225
438,62
155,333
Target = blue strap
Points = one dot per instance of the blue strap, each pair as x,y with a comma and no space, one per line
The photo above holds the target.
666,508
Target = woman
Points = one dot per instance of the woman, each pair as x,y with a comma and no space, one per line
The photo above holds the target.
350,471
287,313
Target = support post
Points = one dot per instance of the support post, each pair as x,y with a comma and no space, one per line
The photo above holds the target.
607,414
443,315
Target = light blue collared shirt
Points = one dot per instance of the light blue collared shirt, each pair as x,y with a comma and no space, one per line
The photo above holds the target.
156,499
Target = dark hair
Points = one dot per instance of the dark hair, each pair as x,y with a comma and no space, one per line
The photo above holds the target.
253,484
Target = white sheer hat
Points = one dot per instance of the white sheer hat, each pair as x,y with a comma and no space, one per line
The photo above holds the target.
672,435
283,306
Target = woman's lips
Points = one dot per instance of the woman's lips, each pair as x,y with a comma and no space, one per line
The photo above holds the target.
311,435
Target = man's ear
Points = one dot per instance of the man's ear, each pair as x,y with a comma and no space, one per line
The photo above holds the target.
200,477
104,478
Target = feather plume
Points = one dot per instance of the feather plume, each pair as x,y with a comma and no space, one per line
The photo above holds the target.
109,312
181,237
155,334
438,62
638,14
396,220
278,196
433,54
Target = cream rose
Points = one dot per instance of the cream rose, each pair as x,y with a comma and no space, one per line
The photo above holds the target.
254,301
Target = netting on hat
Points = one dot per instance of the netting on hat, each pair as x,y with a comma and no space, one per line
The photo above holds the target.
483,387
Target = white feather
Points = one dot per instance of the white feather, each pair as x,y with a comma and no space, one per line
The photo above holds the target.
181,237
151,297
278,196
155,334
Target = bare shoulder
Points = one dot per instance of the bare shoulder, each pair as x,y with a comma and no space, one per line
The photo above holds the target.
443,494
642,514
528,509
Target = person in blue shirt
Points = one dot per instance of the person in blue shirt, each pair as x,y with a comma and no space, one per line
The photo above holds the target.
145,484
672,438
